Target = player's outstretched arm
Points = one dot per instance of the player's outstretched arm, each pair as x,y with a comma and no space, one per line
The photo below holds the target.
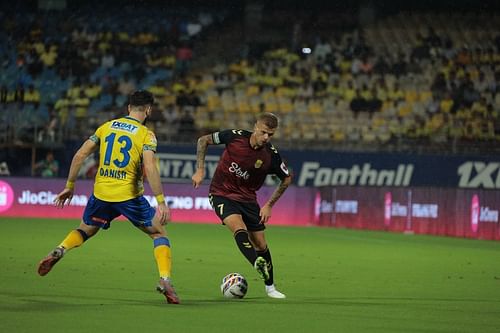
153,176
265,211
65,196
201,152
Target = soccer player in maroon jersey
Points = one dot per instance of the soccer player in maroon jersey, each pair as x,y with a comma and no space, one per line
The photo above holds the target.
242,169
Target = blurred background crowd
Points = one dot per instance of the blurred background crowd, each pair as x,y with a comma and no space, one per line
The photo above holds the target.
362,76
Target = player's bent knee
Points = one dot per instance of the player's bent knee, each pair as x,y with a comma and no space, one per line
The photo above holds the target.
155,231
234,223
89,230
258,241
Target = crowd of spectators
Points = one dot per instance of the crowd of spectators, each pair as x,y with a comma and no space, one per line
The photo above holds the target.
62,71
411,77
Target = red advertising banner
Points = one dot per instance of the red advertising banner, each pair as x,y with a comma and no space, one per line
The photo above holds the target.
33,197
420,210
423,210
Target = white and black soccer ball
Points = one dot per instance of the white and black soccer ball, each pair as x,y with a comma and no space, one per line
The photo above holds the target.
234,285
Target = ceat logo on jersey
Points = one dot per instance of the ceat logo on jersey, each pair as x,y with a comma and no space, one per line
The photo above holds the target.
258,164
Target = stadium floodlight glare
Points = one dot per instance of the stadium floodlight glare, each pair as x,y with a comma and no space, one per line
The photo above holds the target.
306,50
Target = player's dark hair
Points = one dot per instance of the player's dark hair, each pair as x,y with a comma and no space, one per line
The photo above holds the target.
268,119
140,98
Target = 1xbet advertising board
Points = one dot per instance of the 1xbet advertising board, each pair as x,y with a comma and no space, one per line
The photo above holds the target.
314,168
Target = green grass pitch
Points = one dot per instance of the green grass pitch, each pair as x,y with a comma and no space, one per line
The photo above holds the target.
336,281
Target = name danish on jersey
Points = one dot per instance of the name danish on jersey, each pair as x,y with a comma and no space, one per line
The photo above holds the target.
112,173
126,127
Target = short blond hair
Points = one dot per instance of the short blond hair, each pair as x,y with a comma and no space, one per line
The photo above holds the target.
269,119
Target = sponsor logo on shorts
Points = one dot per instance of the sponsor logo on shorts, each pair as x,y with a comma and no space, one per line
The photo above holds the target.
98,220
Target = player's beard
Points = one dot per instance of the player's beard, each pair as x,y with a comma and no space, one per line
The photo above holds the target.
147,116
145,119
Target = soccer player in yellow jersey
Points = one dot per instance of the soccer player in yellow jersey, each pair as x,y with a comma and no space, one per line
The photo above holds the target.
126,150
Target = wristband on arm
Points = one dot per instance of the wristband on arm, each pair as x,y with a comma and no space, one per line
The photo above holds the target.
160,198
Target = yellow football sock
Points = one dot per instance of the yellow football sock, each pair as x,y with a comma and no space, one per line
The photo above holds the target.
163,256
74,239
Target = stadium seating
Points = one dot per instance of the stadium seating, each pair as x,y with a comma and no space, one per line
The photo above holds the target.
110,47
374,103
417,76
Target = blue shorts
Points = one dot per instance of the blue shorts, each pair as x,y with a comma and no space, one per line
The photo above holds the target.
100,213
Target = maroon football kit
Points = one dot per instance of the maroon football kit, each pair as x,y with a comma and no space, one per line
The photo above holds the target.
242,170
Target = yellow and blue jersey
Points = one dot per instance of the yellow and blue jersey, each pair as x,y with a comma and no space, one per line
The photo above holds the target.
121,144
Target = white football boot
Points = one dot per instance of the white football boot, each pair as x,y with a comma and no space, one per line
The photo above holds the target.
273,292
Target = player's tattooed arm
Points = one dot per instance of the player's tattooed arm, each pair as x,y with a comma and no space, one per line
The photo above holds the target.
279,191
201,152
265,211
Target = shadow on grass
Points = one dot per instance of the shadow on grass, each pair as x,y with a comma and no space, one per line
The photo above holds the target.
19,302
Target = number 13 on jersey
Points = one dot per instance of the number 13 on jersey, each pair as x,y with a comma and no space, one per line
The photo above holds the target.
121,156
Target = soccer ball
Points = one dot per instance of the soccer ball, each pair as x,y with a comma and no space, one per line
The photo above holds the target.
234,285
